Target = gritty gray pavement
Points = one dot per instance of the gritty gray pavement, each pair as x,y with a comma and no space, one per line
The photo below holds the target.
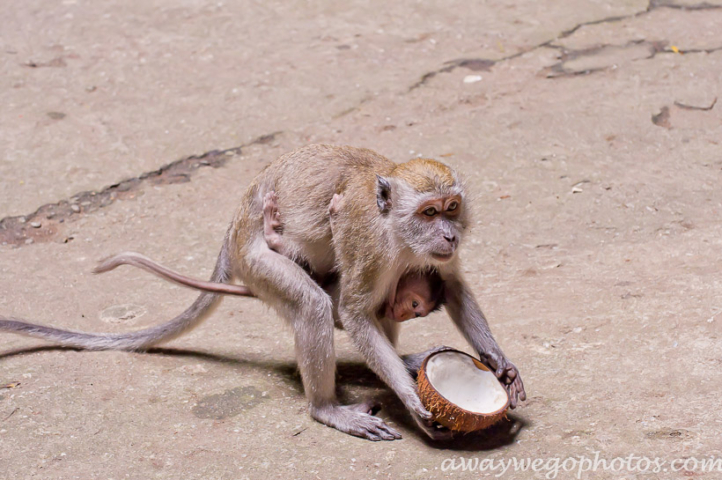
589,132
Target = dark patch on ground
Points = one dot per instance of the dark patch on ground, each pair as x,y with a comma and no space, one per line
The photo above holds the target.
46,223
670,434
474,64
229,403
662,118
57,62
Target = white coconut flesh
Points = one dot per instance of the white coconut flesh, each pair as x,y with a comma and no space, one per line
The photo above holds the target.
457,378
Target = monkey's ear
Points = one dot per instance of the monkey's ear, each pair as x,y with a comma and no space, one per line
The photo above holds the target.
383,194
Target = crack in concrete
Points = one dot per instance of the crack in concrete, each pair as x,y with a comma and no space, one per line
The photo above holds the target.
567,56
656,47
670,4
684,106
44,224
652,5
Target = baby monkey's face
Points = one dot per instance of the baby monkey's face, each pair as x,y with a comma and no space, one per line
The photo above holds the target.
413,299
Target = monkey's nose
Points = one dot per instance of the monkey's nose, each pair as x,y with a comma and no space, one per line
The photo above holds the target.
418,315
450,239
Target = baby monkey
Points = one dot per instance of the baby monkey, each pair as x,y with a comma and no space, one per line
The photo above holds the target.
417,294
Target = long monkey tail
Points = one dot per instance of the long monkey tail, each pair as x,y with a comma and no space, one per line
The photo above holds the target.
141,261
139,340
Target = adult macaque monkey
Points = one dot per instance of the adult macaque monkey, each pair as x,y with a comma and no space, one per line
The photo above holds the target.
393,218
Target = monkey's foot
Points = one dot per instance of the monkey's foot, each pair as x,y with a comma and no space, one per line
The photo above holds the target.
272,222
271,216
354,420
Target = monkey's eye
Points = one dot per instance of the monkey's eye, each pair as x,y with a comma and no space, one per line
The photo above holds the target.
430,212
414,304
452,206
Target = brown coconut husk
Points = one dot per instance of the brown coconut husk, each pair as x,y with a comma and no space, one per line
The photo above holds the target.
450,415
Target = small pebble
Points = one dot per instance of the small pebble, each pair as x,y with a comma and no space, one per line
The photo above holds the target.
75,208
35,224
22,220
28,241
472,78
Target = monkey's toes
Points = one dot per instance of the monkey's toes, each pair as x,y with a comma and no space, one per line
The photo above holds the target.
349,419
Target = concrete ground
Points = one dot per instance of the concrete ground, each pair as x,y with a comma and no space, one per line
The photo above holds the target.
589,131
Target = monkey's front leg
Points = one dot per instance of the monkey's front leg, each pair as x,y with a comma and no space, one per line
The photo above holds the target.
308,309
382,358
468,317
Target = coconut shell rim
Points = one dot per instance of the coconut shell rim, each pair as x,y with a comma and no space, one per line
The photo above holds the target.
480,366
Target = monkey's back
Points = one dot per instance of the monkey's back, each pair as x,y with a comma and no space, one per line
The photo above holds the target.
305,181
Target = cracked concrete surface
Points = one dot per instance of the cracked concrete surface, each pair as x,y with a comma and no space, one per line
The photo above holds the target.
589,132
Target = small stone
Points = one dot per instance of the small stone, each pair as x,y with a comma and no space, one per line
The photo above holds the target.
75,208
22,220
472,78
28,241
35,224
577,330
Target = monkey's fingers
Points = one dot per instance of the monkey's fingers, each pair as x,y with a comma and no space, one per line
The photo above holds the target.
436,431
374,429
269,198
387,433
520,388
516,392
423,414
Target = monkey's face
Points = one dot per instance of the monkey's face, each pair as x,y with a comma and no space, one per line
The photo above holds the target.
434,227
413,299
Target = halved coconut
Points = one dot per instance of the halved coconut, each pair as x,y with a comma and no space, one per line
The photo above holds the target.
461,392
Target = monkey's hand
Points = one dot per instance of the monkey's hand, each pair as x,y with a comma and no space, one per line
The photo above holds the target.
508,375
424,419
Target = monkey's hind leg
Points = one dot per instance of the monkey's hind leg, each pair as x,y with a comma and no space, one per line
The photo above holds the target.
309,310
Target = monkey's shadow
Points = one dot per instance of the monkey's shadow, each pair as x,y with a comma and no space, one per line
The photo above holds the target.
350,376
